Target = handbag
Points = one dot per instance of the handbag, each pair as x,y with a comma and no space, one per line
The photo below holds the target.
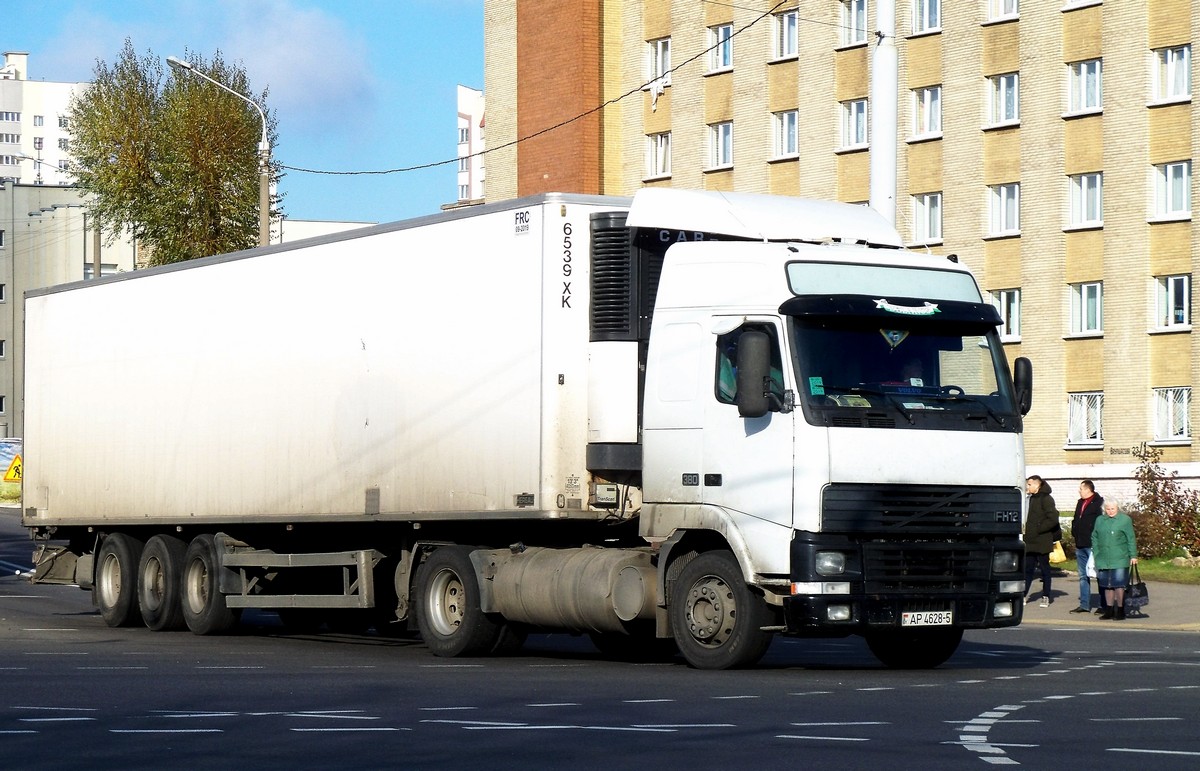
1057,554
1137,596
1091,566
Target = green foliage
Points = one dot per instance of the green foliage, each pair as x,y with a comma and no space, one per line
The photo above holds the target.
1166,516
173,160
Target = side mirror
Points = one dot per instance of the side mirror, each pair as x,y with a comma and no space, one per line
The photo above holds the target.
1023,383
753,369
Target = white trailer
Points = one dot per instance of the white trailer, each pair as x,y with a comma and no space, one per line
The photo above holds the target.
682,418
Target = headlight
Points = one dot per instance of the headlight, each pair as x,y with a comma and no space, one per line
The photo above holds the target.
1005,562
830,563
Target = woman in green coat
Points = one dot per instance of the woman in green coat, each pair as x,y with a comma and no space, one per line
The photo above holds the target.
1041,531
1114,549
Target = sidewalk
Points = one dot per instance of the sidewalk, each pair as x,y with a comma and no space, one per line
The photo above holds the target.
1172,608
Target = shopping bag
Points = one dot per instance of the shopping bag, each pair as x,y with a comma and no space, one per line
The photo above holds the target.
1057,554
1137,596
1091,565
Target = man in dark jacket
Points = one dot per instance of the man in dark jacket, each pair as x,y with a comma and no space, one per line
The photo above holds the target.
1087,509
1041,531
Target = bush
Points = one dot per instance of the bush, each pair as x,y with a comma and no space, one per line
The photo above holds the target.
1166,516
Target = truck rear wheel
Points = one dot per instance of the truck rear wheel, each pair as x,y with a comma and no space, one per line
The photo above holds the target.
448,612
159,574
115,590
204,607
914,648
717,621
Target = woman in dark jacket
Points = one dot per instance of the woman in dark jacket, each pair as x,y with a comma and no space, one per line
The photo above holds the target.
1041,531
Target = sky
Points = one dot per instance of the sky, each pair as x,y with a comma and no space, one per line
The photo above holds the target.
357,85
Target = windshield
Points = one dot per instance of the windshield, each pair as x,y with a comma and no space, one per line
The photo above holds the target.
897,371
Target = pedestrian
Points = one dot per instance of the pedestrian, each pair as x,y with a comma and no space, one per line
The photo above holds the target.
1041,531
1114,550
1087,510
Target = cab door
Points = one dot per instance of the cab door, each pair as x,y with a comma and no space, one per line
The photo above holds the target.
748,462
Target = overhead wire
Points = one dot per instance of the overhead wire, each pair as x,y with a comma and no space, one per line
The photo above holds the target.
561,124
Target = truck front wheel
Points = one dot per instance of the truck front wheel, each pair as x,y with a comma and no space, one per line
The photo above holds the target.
914,648
715,617
204,607
115,590
159,575
448,612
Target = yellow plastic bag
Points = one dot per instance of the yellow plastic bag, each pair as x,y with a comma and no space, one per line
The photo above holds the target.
1057,554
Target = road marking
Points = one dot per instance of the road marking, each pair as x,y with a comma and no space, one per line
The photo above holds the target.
344,730
55,653
50,629
824,738
820,725
60,709
452,666
194,714
731,698
1129,719
89,669
56,719
166,731
568,727
561,704
685,725
334,717
16,731
444,709
1153,752
659,701
811,693
473,722
232,667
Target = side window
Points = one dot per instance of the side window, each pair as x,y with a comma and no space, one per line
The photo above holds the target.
726,369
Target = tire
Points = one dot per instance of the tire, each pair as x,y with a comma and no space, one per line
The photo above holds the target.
204,607
114,591
448,613
715,617
160,572
914,648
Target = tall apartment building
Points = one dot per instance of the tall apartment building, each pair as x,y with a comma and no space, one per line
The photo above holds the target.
1048,144
34,142
470,146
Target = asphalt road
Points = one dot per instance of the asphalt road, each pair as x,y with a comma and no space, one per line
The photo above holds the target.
76,694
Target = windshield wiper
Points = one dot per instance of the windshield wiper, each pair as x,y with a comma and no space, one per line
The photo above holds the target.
975,400
890,397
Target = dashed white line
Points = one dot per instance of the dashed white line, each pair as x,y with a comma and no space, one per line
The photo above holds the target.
165,731
824,738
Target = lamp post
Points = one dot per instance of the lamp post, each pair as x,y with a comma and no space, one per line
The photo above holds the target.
264,151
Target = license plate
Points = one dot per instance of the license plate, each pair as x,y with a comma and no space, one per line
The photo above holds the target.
927,618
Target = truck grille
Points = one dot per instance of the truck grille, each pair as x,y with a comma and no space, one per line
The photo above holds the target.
925,568
920,510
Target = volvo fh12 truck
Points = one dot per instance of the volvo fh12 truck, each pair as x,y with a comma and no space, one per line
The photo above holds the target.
690,420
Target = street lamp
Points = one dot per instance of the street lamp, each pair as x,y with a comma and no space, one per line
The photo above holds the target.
264,151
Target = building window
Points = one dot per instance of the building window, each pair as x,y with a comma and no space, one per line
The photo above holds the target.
786,35
464,135
1005,208
658,155
1174,302
64,165
854,124
1171,407
659,61
927,16
720,48
1,247
927,217
3,348
1087,200
1086,94
37,143
1003,9
927,111
854,22
464,165
3,405
785,133
1173,73
1008,303
13,117
39,120
3,287
1173,189
1004,99
1087,308
1085,418
10,139
720,145
464,192
64,144
63,123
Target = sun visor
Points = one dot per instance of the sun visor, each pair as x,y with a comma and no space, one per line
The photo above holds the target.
909,310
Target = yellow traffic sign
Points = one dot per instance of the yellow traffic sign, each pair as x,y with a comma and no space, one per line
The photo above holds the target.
14,470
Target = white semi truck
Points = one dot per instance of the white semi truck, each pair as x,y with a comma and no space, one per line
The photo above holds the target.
692,419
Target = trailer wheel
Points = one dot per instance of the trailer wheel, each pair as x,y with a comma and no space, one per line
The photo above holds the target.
448,613
115,589
717,621
159,575
204,607
914,648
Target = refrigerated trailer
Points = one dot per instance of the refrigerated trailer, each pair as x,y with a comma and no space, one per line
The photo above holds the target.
688,420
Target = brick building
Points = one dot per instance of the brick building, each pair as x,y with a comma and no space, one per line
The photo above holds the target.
1049,145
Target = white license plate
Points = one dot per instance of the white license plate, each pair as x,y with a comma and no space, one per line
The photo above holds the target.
927,618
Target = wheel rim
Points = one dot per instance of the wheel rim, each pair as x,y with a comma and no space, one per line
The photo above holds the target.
197,587
153,583
711,610
445,606
110,579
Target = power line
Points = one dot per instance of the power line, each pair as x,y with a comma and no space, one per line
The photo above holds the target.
555,127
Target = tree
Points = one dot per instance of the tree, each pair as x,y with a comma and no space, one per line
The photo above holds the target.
175,162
